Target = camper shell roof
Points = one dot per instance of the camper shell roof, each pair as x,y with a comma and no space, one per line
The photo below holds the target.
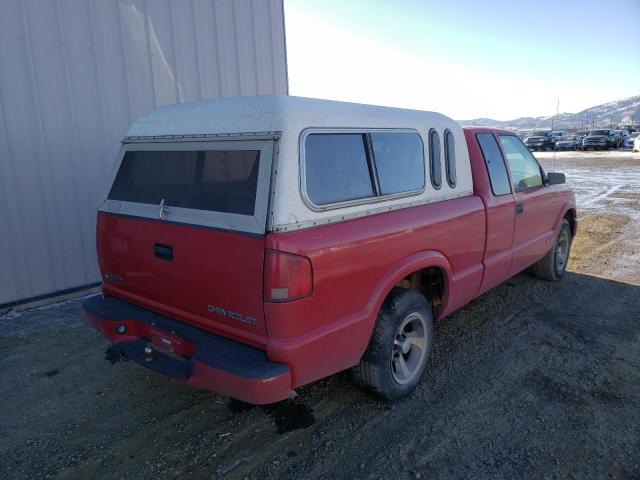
288,120
272,113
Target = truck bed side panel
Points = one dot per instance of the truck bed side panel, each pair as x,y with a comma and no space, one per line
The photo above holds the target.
330,330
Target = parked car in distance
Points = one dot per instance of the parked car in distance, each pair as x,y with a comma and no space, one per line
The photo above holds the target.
523,134
570,143
559,135
253,245
622,136
599,140
579,137
540,140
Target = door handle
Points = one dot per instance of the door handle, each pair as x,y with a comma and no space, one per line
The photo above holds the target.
519,208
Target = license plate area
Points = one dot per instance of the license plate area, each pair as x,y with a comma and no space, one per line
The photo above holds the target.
173,365
170,344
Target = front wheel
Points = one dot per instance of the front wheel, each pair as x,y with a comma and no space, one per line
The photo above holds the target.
553,265
397,354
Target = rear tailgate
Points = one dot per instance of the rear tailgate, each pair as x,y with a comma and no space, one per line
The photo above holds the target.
182,231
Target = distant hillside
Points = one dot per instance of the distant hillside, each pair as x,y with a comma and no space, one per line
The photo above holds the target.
618,112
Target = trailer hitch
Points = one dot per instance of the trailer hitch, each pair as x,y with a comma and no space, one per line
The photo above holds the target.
115,354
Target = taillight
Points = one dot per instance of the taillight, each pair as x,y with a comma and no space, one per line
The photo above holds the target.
287,277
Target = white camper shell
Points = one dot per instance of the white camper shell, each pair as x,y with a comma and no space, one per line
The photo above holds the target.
286,132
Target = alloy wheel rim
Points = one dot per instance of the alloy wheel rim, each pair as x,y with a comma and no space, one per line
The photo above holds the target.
409,348
562,251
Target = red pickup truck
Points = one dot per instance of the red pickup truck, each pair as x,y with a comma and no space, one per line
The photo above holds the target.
253,245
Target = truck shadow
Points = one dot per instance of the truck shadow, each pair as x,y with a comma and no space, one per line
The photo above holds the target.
287,415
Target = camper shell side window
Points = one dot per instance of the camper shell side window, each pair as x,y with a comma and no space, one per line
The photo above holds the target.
350,167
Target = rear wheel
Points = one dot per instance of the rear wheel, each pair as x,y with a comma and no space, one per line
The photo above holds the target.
395,360
553,265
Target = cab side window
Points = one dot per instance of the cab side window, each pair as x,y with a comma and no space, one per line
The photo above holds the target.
525,170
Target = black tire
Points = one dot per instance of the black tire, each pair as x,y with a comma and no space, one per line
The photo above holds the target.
553,265
377,368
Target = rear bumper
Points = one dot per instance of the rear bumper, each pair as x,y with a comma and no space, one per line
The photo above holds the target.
188,354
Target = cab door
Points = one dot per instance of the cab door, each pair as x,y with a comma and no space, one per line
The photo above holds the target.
534,207
499,203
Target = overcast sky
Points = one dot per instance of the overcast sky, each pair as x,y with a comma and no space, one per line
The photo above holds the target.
466,59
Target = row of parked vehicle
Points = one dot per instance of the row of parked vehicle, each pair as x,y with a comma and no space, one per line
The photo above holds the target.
603,139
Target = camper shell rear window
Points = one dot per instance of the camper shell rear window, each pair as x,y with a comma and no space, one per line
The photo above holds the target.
219,184
214,180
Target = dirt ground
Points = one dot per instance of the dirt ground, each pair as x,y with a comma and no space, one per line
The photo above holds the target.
607,187
531,380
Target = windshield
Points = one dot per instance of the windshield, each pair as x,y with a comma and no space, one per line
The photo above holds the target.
539,133
599,132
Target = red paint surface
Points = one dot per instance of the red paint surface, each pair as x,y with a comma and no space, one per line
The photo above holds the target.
209,267
355,265
477,241
500,217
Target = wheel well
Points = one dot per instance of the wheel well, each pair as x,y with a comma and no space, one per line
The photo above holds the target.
570,216
429,281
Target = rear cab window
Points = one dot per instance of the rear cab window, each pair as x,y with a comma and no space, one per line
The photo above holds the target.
216,184
353,167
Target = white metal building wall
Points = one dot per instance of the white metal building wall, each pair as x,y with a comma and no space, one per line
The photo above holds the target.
73,76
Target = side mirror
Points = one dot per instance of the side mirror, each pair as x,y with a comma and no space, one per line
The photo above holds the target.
554,178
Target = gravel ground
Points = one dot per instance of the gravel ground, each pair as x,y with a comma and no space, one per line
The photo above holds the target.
531,380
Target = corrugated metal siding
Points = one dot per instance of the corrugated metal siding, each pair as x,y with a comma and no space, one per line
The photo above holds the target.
73,75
